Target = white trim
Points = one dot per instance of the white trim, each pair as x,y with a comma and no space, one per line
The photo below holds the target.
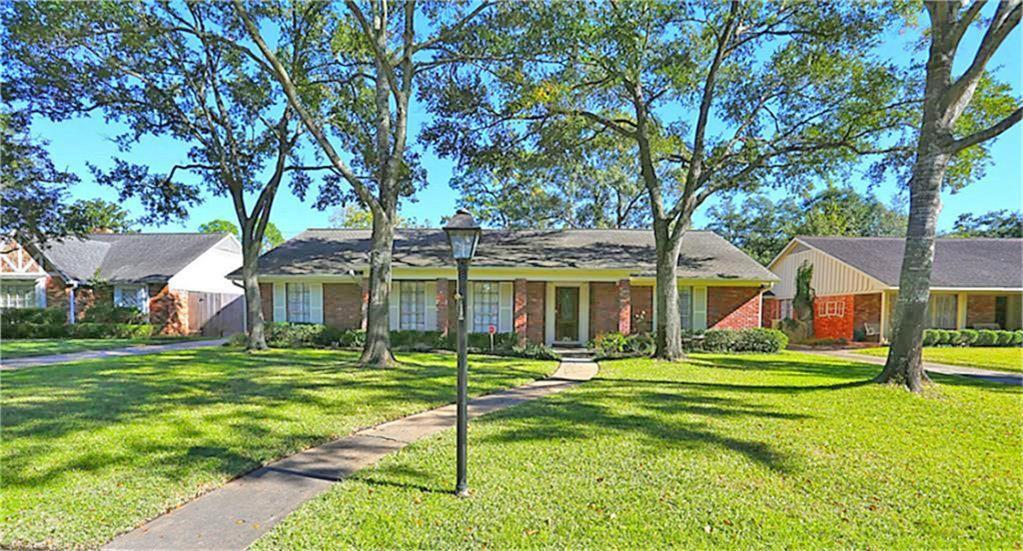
511,274
699,308
506,294
316,302
280,304
431,304
584,311
41,292
394,307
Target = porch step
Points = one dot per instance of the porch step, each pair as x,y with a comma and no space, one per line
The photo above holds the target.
573,352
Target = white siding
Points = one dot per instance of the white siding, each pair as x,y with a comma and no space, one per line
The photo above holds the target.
280,304
207,273
830,276
394,306
699,308
431,305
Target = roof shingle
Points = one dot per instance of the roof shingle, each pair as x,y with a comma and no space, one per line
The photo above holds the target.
127,257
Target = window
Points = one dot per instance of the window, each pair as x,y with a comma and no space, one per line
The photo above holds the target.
486,307
412,302
833,308
785,309
942,311
21,294
132,296
298,303
685,307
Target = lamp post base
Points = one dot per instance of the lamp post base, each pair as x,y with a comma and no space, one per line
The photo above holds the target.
464,492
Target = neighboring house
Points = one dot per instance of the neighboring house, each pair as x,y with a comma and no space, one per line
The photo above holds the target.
552,287
178,279
976,283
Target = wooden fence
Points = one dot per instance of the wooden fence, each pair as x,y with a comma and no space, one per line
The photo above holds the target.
215,314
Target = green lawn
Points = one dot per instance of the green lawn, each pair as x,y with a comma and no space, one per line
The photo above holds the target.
94,448
1007,358
783,451
21,348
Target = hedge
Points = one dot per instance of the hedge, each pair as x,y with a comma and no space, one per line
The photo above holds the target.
34,315
972,337
753,340
304,335
108,313
83,330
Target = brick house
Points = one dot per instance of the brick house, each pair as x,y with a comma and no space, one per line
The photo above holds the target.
165,275
552,287
976,283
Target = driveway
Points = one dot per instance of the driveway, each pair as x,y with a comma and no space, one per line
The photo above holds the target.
931,367
138,350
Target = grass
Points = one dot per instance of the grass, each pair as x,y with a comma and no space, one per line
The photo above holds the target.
780,451
23,348
1009,358
94,448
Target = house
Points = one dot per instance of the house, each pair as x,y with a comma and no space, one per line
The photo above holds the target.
551,287
177,279
975,283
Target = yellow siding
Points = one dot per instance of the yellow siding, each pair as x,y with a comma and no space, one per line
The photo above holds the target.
830,276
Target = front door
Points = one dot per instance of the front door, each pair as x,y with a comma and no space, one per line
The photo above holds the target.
566,314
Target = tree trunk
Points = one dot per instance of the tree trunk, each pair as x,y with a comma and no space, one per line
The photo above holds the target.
669,320
377,350
904,365
253,299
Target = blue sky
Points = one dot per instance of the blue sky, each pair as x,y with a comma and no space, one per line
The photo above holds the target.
76,142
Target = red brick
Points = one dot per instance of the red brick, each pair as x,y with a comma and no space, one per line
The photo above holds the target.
834,327
521,310
342,305
866,309
168,310
603,308
733,307
442,301
536,297
624,306
642,309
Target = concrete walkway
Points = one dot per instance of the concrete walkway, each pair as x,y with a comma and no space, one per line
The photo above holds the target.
236,514
931,367
138,350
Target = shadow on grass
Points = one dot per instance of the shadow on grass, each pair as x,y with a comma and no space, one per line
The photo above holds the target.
246,397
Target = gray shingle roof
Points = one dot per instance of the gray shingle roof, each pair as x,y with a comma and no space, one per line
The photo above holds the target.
705,255
127,257
977,263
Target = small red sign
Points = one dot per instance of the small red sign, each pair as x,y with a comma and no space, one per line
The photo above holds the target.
491,329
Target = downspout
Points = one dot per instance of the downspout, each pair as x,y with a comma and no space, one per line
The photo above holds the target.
71,302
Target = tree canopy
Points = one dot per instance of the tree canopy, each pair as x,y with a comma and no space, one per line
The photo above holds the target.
996,223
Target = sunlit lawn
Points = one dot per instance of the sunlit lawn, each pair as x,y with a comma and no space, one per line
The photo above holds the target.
20,348
740,452
95,448
1007,358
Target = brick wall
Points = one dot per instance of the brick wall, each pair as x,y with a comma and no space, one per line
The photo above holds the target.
85,297
733,307
520,313
980,309
266,300
642,299
168,310
624,317
17,260
56,293
536,296
603,308
342,305
771,311
866,309
442,301
834,326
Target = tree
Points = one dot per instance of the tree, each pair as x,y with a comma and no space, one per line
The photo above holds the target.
98,215
175,71
271,236
997,223
762,228
710,97
359,69
353,217
33,192
948,145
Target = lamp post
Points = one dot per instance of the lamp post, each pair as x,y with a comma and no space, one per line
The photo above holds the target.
463,236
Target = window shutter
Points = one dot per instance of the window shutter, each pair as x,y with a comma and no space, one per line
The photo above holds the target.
280,304
506,290
394,306
469,314
117,296
316,302
431,305
41,292
143,298
699,308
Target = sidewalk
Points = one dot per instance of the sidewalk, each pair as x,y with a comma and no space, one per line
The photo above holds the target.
236,514
138,350
1003,377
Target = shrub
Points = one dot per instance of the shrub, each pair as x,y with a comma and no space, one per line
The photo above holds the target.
1004,338
418,340
986,337
968,337
931,337
92,330
608,345
1017,337
720,340
641,344
292,335
34,315
535,352
352,338
761,340
33,330
108,313
480,342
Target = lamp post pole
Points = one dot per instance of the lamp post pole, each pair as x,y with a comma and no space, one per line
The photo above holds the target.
462,486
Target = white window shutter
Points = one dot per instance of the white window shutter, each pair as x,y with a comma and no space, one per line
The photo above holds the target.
506,291
699,308
394,306
143,298
316,302
431,305
469,315
117,296
280,304
41,292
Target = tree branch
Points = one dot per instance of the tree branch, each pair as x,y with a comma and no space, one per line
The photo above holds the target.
988,133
